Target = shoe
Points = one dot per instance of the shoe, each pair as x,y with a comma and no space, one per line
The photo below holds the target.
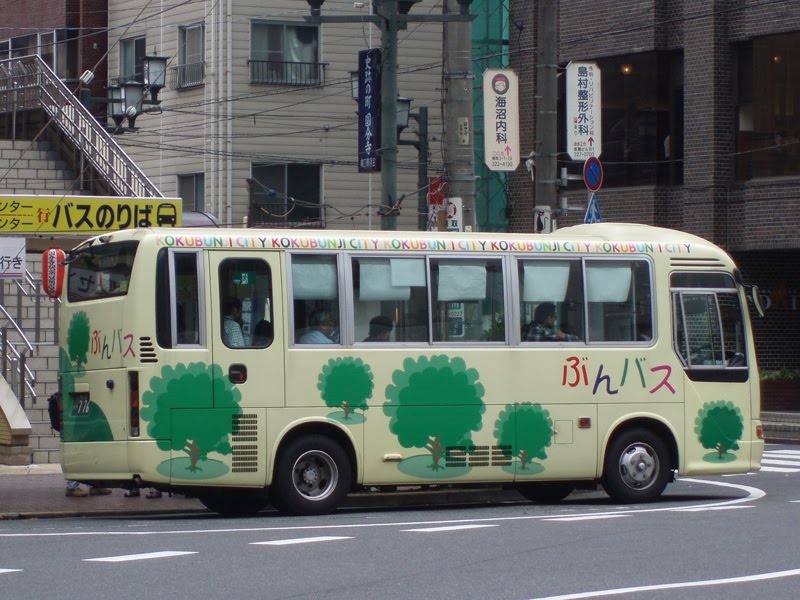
132,493
99,491
76,493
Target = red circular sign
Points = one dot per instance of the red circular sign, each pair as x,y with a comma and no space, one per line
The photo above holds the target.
593,173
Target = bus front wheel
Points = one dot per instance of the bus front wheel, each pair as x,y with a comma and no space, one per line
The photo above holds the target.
637,467
312,476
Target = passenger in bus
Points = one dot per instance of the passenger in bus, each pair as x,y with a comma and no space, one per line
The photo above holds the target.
543,327
380,329
232,323
322,326
263,334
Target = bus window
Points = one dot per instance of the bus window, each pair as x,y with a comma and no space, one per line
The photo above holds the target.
246,301
467,300
708,323
315,299
619,300
390,290
551,300
101,271
179,302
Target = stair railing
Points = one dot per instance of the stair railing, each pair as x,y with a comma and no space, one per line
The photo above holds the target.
28,83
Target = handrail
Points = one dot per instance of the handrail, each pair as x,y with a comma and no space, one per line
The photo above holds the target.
29,83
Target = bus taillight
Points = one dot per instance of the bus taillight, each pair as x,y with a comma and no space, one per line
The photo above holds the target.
133,391
760,432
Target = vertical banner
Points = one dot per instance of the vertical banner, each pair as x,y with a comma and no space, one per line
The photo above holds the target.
584,110
369,110
501,119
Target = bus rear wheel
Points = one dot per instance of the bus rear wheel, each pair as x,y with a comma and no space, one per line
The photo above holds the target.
637,467
312,476
235,503
545,493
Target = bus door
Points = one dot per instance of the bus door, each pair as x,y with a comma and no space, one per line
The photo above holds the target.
709,337
247,340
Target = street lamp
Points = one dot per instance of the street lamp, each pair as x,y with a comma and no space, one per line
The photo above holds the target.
155,75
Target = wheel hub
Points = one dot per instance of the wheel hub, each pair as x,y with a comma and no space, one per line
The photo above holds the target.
637,466
310,475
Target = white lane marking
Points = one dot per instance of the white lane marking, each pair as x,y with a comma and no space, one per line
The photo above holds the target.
449,528
10,571
752,495
585,518
672,586
147,556
773,461
310,540
776,454
701,509
779,470
783,451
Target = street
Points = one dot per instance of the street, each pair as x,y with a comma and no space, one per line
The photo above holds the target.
732,537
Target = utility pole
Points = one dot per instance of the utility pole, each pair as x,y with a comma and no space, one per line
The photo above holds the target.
546,94
390,15
459,160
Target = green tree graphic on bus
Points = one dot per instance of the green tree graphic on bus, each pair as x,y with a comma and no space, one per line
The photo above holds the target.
434,403
196,432
719,425
528,429
346,383
78,338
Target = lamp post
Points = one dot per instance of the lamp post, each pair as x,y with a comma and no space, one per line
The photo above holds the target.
128,99
390,16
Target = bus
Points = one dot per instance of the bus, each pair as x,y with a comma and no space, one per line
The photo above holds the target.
287,367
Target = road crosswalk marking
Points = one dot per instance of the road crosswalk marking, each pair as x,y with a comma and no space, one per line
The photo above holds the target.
781,461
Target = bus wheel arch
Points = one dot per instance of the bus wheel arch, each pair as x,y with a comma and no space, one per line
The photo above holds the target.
639,460
314,470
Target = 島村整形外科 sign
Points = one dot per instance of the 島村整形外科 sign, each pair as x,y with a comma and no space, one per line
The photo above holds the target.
85,214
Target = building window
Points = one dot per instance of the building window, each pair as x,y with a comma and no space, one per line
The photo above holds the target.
67,63
768,107
132,53
285,195
5,49
192,190
642,120
286,54
190,71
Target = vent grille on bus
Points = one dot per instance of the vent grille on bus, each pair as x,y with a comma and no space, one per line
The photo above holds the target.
684,262
244,457
147,351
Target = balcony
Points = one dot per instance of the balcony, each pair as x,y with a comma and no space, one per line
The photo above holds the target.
187,76
286,73
273,213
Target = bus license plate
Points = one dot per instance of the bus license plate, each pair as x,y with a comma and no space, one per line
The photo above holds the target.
80,403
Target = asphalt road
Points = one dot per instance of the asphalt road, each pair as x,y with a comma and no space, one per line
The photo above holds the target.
708,538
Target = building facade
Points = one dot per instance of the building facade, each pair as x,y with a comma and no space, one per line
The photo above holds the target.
700,131
257,122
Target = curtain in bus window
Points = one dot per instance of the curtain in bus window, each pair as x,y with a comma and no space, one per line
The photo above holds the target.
377,281
608,282
314,278
461,280
545,281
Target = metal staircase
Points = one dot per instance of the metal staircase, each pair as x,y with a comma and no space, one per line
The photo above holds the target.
28,83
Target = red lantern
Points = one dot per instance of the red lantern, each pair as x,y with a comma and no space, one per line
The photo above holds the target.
53,271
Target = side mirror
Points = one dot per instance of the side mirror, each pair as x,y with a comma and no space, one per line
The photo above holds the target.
755,296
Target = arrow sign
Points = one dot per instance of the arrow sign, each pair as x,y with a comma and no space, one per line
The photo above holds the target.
593,211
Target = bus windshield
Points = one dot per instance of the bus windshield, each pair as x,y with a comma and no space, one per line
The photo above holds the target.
101,272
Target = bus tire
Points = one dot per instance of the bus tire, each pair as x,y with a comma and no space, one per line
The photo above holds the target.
637,467
545,493
312,476
235,503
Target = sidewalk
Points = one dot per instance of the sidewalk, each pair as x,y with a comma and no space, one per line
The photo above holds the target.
37,491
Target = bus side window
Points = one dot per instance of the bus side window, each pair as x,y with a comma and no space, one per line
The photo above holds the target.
179,304
246,301
390,294
619,298
468,300
314,298
546,284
